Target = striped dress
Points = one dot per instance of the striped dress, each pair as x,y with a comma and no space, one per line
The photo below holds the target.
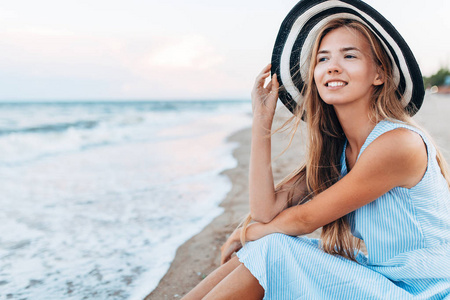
407,235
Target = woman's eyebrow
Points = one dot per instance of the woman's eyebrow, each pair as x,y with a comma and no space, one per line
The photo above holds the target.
349,49
344,49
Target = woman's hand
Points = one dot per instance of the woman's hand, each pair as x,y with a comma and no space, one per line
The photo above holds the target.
232,245
264,99
254,232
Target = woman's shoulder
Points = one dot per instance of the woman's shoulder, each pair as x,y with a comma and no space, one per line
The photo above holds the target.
399,138
402,139
400,151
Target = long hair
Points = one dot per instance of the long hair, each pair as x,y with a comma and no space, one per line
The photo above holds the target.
326,137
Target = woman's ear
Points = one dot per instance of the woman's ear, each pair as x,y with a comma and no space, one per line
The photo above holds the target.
379,78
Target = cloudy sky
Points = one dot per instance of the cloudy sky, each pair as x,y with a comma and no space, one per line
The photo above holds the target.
171,49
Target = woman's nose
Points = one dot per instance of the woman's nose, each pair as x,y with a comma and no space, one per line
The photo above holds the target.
334,67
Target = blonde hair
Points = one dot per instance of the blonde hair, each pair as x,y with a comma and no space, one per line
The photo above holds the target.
326,137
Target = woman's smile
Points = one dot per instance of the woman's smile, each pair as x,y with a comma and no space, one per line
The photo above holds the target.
335,84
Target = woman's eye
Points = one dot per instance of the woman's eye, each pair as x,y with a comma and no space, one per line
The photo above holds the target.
350,56
320,59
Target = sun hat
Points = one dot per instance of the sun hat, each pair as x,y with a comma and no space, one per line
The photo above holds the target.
298,33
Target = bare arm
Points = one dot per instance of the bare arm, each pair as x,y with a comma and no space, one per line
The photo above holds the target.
265,204
265,201
396,159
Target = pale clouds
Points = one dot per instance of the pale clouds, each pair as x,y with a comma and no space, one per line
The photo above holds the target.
185,66
170,49
189,51
51,52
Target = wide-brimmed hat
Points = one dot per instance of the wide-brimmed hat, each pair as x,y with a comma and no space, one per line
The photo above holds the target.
298,32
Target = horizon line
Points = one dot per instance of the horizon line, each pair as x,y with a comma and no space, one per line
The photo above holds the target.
105,100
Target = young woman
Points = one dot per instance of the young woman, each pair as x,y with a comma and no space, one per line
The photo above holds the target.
370,173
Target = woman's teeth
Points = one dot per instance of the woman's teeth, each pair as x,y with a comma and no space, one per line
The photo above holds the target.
335,83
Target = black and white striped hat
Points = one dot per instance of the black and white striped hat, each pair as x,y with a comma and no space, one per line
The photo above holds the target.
299,30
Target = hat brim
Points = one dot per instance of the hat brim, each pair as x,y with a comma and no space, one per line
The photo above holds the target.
298,32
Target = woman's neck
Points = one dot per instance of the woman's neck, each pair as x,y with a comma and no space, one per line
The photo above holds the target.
357,126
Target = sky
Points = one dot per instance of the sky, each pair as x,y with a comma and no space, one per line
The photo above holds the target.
65,50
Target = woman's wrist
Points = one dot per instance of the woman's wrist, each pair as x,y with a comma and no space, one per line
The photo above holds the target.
261,125
263,119
256,231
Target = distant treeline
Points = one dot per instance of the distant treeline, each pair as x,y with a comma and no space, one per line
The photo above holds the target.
439,79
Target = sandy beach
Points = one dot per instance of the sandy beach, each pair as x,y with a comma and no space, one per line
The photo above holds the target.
201,254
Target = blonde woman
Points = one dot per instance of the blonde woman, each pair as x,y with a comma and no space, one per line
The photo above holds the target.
371,174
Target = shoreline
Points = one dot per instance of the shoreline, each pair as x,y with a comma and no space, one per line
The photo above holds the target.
200,255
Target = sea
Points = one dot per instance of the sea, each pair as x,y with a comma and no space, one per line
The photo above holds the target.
96,197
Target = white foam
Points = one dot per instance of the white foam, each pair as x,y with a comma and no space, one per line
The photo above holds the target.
105,222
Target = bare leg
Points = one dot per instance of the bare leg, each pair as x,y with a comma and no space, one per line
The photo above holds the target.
239,284
207,284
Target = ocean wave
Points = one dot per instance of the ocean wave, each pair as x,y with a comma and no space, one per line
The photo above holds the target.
48,128
36,131
105,223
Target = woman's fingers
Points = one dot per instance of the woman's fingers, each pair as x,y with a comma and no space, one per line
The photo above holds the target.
224,259
266,68
225,255
272,85
263,74
259,82
228,252
265,96
232,245
274,82
269,86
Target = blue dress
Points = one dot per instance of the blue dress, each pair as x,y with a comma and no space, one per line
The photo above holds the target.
407,235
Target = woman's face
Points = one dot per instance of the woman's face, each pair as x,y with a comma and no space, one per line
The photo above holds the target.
345,71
